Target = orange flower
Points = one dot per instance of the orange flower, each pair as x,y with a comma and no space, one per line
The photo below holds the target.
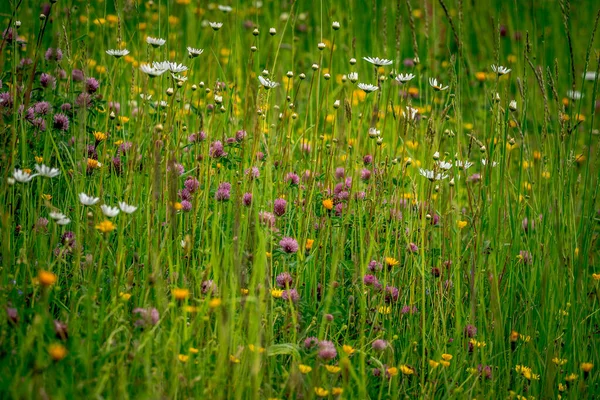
328,204
57,351
46,278
180,294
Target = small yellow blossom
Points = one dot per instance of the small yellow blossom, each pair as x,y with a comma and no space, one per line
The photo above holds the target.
309,244
393,371
406,370
559,361
125,296
384,310
336,391
106,226
46,278
39,159
277,293
183,358
444,363
99,136
319,391
461,224
334,369
348,349
571,377
93,164
433,363
391,262
587,366
214,303
328,204
253,348
57,351
447,357
193,350
305,369
234,359
180,294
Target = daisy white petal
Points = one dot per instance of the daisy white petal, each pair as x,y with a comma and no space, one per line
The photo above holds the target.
379,62
267,83
367,87
47,171
155,42
109,211
117,53
87,200
126,208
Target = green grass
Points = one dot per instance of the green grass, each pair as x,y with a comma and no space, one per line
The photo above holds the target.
510,307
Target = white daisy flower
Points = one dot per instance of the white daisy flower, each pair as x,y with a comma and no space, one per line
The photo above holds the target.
47,171
437,86
87,200
117,53
152,71
267,83
590,76
225,9
574,95
192,52
22,176
367,87
403,78
179,78
431,175
379,62
373,133
500,70
485,162
353,77
464,164
109,211
155,42
411,113
57,215
63,221
174,67
126,208
444,165
145,96
216,25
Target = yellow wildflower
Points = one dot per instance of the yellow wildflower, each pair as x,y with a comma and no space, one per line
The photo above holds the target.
406,370
105,226
328,204
46,278
305,369
214,303
334,369
57,351
180,294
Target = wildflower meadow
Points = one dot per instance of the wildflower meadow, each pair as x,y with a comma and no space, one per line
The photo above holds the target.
286,199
